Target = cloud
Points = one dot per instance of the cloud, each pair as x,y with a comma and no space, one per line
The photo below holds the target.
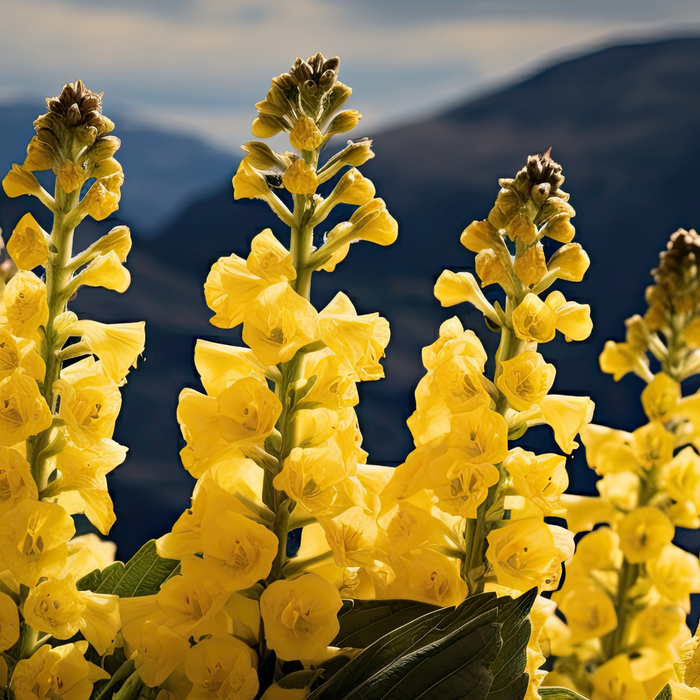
200,65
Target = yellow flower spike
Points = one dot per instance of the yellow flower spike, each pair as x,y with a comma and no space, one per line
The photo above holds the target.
588,608
465,343
222,666
652,445
644,533
278,323
675,575
33,542
534,321
23,410
619,359
118,345
527,553
58,608
241,550
361,340
105,271
16,481
480,235
300,178
531,266
573,320
491,270
661,397
540,478
28,246
305,135
525,379
614,680
300,617
567,416
25,304
9,622
571,262
481,434
454,288
20,181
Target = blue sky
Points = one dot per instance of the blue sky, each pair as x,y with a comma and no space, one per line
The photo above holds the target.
199,65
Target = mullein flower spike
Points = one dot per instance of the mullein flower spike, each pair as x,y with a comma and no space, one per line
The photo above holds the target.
628,588
57,419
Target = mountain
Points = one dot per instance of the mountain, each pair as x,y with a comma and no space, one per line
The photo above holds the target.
165,172
623,123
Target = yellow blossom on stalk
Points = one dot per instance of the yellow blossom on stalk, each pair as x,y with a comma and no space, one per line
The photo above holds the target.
16,482
681,478
300,178
567,415
608,450
644,533
105,271
531,266
455,288
675,575
534,321
615,680
481,434
540,478
652,445
23,410
526,379
573,320
588,608
305,135
160,651
20,352
599,550
28,246
20,181
491,270
570,262
661,397
25,304
9,622
300,617
102,199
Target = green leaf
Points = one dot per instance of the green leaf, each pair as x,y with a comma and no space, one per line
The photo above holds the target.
142,575
365,621
665,694
566,694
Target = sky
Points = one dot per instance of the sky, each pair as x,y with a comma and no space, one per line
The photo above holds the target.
198,66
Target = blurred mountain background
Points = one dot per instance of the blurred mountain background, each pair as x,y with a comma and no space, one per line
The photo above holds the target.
622,121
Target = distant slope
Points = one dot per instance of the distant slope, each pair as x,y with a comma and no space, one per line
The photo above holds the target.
165,172
624,124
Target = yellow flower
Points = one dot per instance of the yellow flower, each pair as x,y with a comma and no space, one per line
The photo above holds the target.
361,340
454,341
16,481
305,135
89,406
683,692
102,199
25,304
221,365
521,228
23,410
454,288
570,262
105,271
566,415
33,538
242,550
480,235
20,181
352,188
652,445
481,434
372,222
222,666
160,651
584,512
531,267
608,450
460,383
300,617
278,323
491,270
300,178
620,358
691,333
20,352
529,552
588,609
9,622
335,380
675,575
573,320
534,321
118,345
248,183
60,672
598,550
540,478
28,246
661,397
644,533
681,478
614,680
525,379
58,608
657,626
621,489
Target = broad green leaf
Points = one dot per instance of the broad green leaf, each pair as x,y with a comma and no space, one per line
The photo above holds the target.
566,694
142,575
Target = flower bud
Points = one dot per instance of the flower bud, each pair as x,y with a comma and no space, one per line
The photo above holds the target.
262,157
345,121
300,178
353,188
71,176
266,126
372,222
356,153
571,260
531,267
28,246
454,288
305,135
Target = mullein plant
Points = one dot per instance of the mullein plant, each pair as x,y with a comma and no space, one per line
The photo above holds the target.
627,591
59,399
489,498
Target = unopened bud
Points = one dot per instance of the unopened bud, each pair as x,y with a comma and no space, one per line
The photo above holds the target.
267,125
345,121
353,188
356,153
262,157
305,135
337,97
300,178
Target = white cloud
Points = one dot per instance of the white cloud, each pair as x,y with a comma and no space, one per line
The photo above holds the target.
199,65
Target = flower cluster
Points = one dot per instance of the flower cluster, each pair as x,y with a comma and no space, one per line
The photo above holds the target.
462,470
627,591
274,441
57,417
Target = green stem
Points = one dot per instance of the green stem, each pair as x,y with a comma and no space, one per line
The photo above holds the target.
122,673
615,642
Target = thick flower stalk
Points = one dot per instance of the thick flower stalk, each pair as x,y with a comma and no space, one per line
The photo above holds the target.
274,441
462,471
627,591
59,388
